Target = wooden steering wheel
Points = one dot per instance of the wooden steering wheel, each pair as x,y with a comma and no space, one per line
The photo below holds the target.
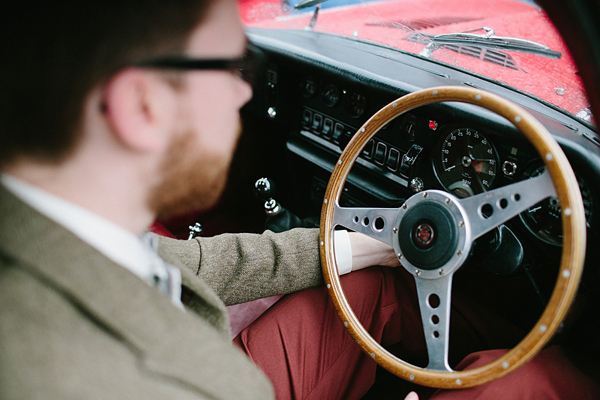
457,222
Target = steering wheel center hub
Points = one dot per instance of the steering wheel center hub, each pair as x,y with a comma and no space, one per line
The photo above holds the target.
428,235
424,235
432,233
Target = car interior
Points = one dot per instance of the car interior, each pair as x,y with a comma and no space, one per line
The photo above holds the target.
313,96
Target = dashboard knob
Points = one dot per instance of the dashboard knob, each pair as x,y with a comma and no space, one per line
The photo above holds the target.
264,189
509,168
195,230
416,185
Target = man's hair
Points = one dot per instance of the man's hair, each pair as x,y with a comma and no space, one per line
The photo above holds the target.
54,53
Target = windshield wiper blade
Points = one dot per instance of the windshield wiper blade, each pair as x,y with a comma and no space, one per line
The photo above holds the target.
490,40
309,3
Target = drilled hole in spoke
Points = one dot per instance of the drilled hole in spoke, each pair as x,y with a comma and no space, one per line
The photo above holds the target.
433,300
436,334
379,224
486,210
435,319
365,221
355,219
516,197
503,203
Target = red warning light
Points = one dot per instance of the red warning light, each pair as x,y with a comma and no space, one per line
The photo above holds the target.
433,125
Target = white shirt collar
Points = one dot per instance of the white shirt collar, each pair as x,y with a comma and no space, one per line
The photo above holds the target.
115,242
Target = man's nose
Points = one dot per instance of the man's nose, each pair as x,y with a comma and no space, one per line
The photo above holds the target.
245,92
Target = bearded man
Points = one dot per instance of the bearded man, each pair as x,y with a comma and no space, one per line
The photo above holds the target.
113,114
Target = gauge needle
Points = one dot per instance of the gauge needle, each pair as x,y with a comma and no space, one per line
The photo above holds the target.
473,158
449,168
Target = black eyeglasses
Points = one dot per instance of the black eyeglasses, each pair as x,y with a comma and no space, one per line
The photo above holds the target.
247,66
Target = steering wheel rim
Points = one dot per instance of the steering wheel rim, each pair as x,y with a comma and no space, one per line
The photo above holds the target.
574,231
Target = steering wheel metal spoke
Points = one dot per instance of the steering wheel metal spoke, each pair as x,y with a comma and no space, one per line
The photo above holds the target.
376,223
487,210
434,303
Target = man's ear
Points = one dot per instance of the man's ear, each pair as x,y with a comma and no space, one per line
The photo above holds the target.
139,108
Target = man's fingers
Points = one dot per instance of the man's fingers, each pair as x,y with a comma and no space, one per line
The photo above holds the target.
412,396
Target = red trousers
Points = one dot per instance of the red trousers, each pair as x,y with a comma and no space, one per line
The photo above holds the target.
306,352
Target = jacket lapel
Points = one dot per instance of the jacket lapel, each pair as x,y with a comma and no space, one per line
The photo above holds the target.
169,341
201,298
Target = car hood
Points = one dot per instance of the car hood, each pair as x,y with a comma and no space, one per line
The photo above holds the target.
408,25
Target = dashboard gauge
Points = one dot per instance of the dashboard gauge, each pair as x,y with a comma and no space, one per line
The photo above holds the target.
467,163
309,88
544,220
408,127
355,105
330,95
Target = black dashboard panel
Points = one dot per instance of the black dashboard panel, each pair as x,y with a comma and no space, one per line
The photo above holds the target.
318,90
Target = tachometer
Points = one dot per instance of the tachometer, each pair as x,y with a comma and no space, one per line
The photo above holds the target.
544,219
467,163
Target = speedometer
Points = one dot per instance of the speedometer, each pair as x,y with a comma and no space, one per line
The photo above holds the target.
466,163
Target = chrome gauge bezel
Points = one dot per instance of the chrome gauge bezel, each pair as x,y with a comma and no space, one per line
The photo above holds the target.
534,228
462,187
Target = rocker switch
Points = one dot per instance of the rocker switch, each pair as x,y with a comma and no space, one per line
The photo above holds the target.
338,130
368,150
380,151
327,128
317,120
409,159
393,159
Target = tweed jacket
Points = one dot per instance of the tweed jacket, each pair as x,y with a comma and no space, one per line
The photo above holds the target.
74,325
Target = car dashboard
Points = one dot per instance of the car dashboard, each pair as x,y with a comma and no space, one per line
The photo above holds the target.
316,96
316,91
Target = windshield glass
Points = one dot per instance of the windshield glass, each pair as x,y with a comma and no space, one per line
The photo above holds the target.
511,42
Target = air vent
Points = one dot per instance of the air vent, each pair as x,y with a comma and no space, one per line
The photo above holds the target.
482,53
489,55
419,24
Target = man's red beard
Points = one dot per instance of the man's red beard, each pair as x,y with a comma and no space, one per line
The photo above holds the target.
190,182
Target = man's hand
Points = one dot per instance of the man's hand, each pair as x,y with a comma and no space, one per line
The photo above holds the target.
412,396
367,251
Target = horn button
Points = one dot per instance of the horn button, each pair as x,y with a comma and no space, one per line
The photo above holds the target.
428,235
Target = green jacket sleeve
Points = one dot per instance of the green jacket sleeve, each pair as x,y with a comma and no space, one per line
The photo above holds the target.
244,267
